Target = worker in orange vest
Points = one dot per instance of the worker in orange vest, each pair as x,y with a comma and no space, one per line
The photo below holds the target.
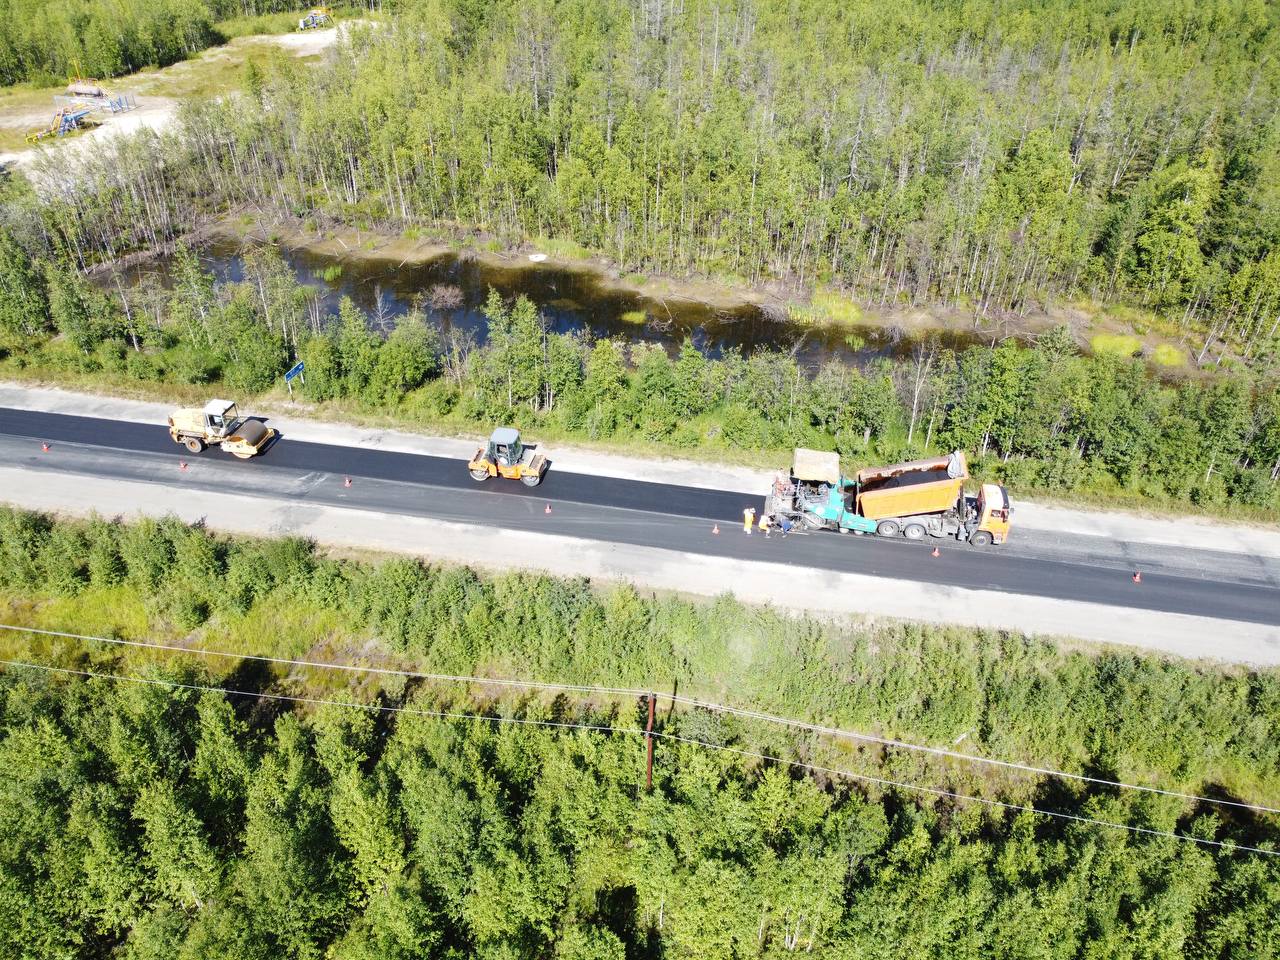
748,519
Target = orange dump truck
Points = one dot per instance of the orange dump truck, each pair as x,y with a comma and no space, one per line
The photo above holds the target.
909,499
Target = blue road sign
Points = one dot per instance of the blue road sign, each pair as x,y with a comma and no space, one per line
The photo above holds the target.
297,369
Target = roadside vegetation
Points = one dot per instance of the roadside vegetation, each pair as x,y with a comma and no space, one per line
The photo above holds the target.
1043,418
143,820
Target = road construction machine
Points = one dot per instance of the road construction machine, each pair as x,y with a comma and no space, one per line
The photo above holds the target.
316,19
505,455
911,500
219,424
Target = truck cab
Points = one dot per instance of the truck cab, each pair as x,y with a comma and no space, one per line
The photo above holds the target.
992,511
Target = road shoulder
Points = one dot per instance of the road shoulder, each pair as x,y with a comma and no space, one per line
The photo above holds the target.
781,586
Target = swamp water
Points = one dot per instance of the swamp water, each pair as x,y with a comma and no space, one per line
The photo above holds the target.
451,290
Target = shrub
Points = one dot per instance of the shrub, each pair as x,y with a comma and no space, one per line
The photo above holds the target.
22,539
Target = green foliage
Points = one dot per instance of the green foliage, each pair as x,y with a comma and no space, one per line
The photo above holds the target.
63,561
147,550
50,40
357,349
406,359
71,308
909,156
148,821
24,304
256,356
180,858
22,540
104,564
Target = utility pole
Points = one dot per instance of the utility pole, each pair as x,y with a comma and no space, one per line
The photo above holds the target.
648,736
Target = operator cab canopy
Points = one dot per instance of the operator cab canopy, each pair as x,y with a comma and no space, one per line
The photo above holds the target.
505,436
219,413
504,446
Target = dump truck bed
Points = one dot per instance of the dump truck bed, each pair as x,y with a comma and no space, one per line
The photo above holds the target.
911,489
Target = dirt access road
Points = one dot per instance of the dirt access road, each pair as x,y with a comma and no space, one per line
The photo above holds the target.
215,72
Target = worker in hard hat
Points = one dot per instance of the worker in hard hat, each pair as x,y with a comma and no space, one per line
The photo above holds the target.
748,520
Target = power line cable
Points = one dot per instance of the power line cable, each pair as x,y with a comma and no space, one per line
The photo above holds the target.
968,757
317,701
326,665
1227,846
938,792
742,712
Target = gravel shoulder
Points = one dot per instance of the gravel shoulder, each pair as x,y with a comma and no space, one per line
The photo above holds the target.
761,582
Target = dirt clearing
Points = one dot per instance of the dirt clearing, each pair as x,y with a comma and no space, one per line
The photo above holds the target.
214,72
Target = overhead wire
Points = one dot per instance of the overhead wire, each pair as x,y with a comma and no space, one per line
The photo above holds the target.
1226,846
327,665
315,701
938,792
550,686
837,732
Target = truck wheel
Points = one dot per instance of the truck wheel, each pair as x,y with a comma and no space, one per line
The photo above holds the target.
887,528
193,444
914,531
981,538
531,479
479,475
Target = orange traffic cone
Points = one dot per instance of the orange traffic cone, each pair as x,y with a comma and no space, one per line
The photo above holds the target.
935,553
715,528
1137,577
44,447
346,481
548,509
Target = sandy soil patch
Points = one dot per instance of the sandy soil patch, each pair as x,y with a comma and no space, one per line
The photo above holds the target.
214,72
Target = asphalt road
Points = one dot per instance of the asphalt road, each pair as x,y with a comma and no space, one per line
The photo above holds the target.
1202,583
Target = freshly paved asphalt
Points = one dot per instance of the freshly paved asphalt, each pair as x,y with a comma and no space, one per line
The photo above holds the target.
1202,583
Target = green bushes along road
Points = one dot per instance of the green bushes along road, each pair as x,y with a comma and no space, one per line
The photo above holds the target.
142,820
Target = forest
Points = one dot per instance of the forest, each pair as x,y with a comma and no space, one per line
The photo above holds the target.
386,816
48,41
991,157
1043,418
168,792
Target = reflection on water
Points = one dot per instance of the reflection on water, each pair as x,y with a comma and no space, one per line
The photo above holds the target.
452,288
